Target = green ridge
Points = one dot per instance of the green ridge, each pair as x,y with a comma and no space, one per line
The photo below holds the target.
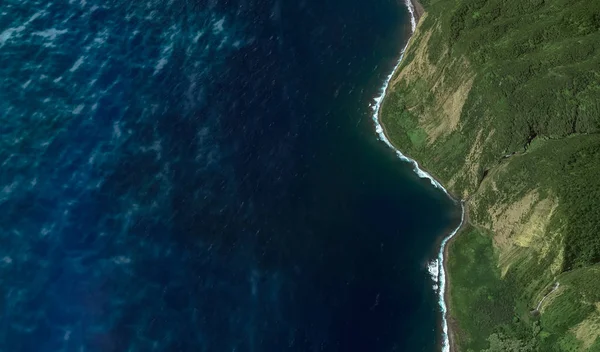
524,151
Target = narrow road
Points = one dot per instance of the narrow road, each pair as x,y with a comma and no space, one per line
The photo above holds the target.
554,288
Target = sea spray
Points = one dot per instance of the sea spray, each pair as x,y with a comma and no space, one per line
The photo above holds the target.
435,267
442,281
413,19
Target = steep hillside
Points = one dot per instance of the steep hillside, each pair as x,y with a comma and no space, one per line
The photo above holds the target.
500,99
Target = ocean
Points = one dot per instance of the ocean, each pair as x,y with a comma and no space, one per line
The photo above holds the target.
184,175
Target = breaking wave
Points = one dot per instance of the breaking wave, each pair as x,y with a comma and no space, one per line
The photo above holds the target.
435,267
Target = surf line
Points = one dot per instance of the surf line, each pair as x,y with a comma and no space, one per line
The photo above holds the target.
436,267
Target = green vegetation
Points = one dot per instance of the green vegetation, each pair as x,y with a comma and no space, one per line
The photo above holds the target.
492,316
500,99
544,246
482,302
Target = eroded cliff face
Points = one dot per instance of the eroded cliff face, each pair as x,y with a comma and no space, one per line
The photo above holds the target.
530,173
430,93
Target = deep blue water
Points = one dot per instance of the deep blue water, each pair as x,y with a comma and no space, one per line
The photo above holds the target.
181,175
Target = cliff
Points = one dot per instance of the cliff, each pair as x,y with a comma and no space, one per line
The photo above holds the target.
500,100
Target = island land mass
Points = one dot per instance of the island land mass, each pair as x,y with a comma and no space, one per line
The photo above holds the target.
500,101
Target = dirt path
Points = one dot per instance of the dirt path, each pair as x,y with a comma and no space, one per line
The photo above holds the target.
554,288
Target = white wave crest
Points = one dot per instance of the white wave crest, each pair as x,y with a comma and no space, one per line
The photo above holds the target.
434,271
436,266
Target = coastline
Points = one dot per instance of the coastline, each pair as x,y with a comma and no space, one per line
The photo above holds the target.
448,344
452,323
418,10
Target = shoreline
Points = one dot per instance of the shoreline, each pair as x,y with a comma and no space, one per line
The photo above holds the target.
446,240
448,339
418,10
450,321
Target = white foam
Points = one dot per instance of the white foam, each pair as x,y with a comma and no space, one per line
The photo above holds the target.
167,50
50,34
77,64
117,132
78,109
436,267
218,26
198,35
434,271
160,64
8,33
442,282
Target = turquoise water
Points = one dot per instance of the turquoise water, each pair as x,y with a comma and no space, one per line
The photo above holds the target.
205,176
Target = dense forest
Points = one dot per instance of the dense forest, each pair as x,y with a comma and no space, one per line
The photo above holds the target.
500,99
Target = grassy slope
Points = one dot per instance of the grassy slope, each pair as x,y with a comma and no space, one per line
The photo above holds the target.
501,100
